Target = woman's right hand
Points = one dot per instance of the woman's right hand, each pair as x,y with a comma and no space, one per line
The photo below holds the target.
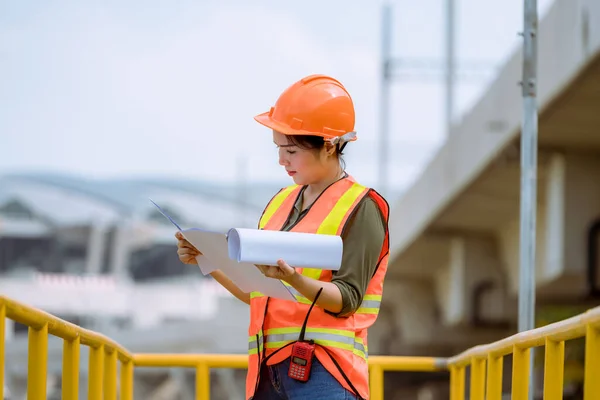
186,252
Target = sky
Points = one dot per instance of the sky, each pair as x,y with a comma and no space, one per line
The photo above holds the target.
116,89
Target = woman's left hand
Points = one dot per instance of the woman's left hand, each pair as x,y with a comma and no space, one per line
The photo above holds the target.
280,271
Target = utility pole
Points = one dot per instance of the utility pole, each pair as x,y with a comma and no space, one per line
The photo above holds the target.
450,64
529,143
384,105
410,68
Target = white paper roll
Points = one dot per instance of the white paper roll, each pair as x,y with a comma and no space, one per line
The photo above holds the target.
304,250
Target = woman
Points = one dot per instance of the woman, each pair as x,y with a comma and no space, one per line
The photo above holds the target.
312,121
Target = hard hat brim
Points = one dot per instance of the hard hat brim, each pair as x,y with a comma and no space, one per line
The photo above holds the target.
266,120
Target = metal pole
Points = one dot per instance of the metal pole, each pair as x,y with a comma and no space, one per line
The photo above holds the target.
450,63
529,133
385,98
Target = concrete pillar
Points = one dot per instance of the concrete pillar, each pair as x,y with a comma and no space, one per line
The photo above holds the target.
451,284
95,248
569,201
553,236
472,282
582,207
412,314
121,251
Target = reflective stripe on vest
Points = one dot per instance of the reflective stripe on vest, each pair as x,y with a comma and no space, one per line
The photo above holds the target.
275,204
279,337
333,220
370,304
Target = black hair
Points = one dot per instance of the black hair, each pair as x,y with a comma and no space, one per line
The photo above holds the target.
310,142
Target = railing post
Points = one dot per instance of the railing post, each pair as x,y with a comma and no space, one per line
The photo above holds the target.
110,375
96,372
457,383
591,389
376,382
494,378
554,364
520,374
477,389
127,380
37,363
2,338
202,382
70,372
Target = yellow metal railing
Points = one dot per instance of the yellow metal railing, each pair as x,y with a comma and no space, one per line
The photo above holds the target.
104,356
204,362
485,361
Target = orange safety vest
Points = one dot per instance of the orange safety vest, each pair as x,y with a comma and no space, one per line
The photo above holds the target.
279,323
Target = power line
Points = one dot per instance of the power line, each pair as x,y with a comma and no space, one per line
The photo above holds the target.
421,70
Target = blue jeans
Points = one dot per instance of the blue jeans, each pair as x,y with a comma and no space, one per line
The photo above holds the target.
275,384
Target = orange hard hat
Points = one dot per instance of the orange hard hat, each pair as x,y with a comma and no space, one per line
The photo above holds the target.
316,105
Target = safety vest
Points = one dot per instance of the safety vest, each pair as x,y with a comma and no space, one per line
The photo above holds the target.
275,323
